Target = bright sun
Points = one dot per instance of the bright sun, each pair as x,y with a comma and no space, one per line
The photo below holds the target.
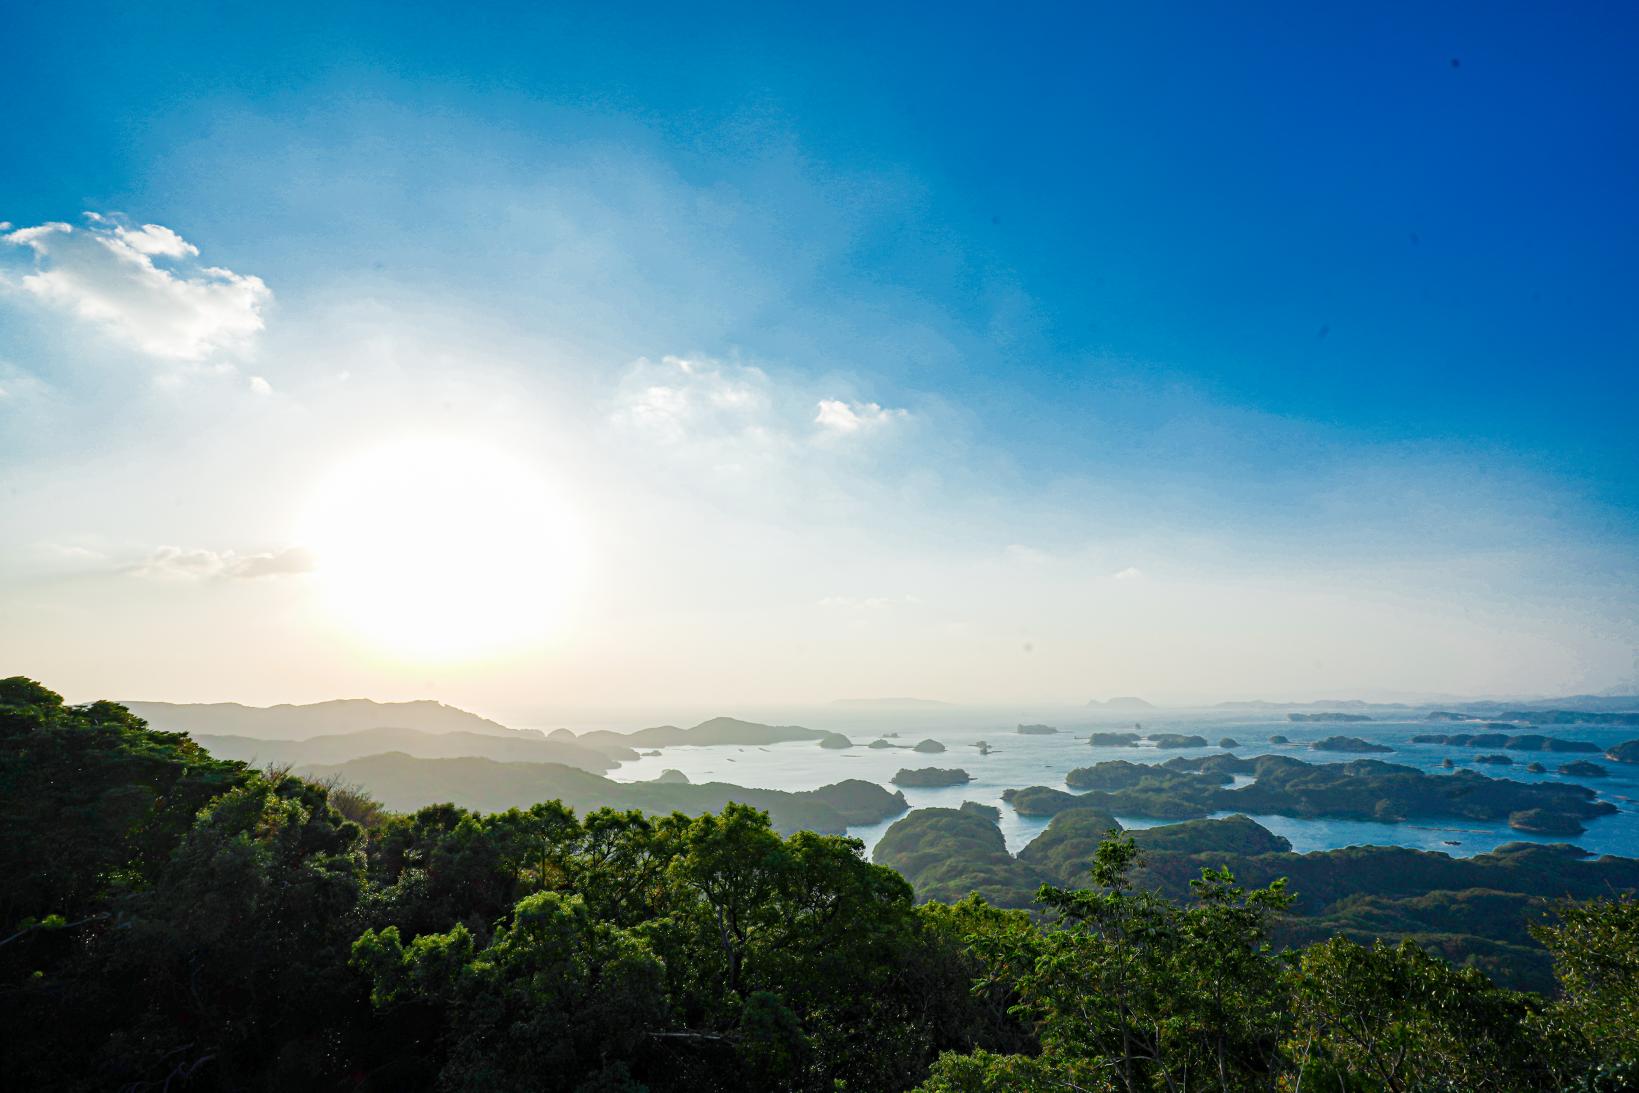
441,550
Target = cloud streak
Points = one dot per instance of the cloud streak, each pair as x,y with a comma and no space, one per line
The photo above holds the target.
703,400
170,563
144,286
837,416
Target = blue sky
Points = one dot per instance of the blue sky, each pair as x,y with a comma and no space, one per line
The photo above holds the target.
1333,299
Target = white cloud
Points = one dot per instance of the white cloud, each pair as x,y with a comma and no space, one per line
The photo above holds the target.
679,399
838,416
106,273
260,386
170,563
152,240
715,403
1131,573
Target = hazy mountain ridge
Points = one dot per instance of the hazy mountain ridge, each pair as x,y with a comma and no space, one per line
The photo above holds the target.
341,747
710,733
891,703
1121,702
288,721
406,783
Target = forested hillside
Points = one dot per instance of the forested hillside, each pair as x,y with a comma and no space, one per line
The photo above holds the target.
176,921
1476,911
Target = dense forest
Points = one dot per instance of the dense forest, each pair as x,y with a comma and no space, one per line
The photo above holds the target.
177,921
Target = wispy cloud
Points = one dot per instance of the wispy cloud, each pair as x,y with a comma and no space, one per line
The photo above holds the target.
144,285
699,399
682,398
1027,555
170,563
868,603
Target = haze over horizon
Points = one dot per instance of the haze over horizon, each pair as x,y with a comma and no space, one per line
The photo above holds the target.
764,360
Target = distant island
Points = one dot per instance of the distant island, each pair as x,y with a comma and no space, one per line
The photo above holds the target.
928,777
1124,702
1176,740
1528,742
1036,730
1329,716
1114,739
1543,717
716,732
560,747
1625,752
405,783
1349,744
1260,705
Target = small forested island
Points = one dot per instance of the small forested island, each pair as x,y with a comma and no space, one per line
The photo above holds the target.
1176,740
1497,760
1349,744
1327,717
928,747
1229,742
508,746
716,732
1527,742
1540,717
1581,768
1036,730
1114,739
1543,822
1625,752
926,777
179,921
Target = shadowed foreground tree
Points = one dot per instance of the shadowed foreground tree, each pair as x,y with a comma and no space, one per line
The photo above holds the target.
1129,992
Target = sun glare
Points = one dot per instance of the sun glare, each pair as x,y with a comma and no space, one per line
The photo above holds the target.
437,550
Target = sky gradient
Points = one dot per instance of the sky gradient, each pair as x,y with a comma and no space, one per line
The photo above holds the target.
540,360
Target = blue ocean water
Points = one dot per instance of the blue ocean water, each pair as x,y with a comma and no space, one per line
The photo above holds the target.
1017,760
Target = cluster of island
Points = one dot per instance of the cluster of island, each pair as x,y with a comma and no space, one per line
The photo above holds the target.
1364,789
